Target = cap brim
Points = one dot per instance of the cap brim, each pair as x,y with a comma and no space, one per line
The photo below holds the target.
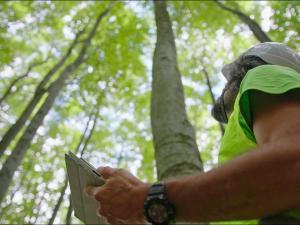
227,70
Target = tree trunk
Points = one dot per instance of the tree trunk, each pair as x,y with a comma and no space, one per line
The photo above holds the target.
60,200
64,188
252,24
69,213
96,116
18,187
15,81
8,205
14,160
38,94
38,207
176,151
70,208
213,99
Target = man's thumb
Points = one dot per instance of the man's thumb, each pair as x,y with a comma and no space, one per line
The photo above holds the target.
106,171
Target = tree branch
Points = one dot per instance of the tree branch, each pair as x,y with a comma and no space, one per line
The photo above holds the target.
252,24
15,81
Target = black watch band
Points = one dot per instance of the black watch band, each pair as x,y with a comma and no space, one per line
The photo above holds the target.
157,189
157,209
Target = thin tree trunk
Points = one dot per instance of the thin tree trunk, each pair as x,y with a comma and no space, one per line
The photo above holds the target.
69,213
70,208
213,99
15,81
64,188
85,143
96,116
38,94
60,200
39,207
176,151
5,208
28,203
14,160
252,24
18,187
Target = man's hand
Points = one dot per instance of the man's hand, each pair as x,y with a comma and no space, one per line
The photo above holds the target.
121,198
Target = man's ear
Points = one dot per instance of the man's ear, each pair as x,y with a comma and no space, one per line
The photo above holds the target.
230,95
225,103
218,112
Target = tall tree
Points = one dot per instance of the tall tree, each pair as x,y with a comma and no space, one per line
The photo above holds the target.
82,142
12,132
14,160
11,197
59,201
69,212
40,201
251,23
176,151
119,55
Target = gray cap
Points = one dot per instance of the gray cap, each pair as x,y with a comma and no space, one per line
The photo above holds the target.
271,52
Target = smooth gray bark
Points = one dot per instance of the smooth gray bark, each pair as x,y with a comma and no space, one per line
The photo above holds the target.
12,132
14,160
252,24
176,151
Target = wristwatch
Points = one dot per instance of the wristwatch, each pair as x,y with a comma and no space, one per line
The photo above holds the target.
157,209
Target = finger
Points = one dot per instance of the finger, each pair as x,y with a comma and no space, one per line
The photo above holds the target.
93,190
110,220
103,211
114,221
106,171
101,194
90,190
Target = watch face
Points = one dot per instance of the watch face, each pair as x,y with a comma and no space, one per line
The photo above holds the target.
158,212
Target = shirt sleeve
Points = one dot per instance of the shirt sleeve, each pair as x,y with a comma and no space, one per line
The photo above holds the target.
270,79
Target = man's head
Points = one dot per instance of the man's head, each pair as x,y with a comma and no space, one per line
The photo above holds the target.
260,54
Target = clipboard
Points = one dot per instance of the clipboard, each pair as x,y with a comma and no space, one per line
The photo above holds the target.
80,175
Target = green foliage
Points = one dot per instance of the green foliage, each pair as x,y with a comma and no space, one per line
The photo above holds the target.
116,79
286,18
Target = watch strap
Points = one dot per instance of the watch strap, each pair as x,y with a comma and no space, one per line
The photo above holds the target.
157,192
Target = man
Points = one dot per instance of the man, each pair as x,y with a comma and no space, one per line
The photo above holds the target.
260,154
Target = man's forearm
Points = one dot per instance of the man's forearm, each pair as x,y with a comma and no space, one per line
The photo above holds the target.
257,184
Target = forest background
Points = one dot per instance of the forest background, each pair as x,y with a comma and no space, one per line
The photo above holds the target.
81,76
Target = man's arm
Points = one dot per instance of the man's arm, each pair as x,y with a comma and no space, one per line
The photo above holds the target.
257,184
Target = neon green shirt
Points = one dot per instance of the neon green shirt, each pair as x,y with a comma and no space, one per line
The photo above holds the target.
239,137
